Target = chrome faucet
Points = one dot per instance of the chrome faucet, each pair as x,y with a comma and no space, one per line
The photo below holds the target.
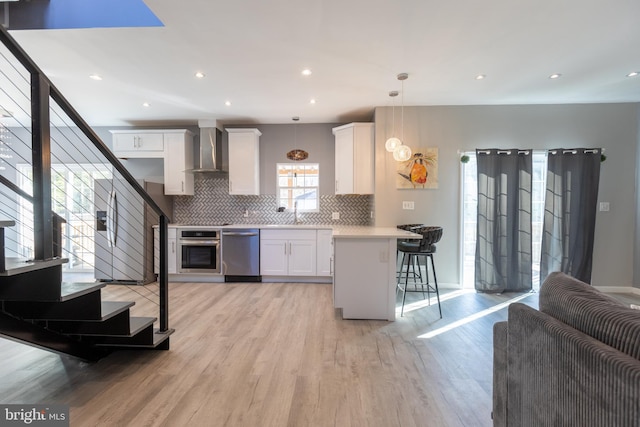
296,220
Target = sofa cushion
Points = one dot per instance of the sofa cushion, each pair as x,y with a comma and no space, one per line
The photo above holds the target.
591,312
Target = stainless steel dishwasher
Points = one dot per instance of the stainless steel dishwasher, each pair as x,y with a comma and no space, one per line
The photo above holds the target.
241,255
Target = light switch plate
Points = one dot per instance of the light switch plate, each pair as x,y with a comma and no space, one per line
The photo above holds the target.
604,206
408,205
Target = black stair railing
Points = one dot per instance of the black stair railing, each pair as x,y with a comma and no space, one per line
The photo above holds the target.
42,90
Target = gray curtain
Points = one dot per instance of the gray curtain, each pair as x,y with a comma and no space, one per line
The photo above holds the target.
503,242
570,212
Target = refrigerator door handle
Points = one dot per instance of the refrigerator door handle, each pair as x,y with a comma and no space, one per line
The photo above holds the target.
109,241
114,219
112,212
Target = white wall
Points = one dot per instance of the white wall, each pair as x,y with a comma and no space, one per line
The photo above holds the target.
462,128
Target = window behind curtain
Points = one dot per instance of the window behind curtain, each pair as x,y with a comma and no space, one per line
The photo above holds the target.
469,213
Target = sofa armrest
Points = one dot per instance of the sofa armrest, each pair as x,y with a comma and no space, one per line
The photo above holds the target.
558,375
499,413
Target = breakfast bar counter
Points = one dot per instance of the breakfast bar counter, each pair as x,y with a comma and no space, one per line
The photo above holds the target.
364,278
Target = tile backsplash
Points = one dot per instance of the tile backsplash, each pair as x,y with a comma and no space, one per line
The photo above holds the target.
212,204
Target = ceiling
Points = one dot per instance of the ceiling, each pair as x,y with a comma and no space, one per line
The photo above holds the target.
252,53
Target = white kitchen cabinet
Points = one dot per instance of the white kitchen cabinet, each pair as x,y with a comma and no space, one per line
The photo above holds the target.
324,254
354,158
178,159
288,252
244,161
138,144
172,255
175,146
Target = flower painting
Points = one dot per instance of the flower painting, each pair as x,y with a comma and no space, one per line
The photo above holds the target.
420,171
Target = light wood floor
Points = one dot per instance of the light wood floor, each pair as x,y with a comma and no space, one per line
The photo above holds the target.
276,355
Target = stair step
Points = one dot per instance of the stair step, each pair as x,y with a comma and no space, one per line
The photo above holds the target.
41,284
71,290
37,336
113,308
141,334
117,324
15,266
83,307
160,341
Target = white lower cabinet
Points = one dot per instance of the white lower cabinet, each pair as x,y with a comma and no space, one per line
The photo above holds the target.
288,252
324,256
172,256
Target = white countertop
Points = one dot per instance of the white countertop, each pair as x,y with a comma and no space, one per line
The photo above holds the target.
339,231
372,232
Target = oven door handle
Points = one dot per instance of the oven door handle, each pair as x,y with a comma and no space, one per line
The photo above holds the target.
200,242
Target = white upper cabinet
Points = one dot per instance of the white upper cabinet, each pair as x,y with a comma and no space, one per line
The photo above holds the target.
244,161
175,146
178,159
354,158
142,143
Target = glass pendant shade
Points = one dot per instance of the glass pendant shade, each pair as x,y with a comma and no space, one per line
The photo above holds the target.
402,153
392,143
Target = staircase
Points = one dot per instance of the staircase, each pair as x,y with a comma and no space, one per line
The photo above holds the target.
39,309
36,307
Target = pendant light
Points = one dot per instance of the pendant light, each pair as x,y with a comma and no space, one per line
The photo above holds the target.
393,142
402,152
296,154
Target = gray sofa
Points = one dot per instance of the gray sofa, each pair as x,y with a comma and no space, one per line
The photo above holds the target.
574,362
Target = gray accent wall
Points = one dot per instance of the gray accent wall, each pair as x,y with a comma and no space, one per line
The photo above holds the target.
454,129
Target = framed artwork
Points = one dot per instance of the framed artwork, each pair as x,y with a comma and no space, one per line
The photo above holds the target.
420,171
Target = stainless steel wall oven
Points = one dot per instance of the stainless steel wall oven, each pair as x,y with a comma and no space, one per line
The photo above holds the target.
199,251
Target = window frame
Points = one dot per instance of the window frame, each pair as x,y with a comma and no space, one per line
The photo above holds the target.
304,187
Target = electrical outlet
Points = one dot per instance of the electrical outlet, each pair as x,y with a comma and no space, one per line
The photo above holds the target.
335,215
246,214
604,206
408,205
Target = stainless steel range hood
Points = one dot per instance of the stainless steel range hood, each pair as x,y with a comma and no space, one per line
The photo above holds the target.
208,155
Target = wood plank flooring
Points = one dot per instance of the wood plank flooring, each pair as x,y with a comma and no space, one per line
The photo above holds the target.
273,354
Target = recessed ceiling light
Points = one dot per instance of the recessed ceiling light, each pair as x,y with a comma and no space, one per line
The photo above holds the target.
632,74
227,103
306,72
95,76
480,77
312,101
200,75
146,104
555,76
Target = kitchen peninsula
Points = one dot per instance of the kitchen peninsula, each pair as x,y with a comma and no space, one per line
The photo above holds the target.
364,279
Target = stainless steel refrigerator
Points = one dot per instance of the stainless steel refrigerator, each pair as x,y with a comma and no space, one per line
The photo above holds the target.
124,235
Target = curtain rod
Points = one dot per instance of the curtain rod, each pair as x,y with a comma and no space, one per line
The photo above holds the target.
575,151
503,151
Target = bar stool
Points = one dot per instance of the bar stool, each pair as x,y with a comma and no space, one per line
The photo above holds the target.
407,243
412,252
